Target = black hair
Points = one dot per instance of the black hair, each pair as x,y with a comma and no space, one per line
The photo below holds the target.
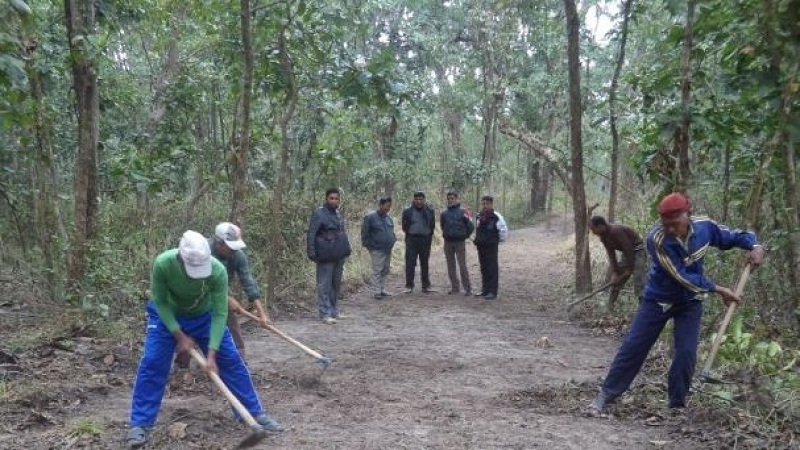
384,200
419,194
452,192
487,198
598,221
333,191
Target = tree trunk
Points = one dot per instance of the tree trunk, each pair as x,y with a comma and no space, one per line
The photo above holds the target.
80,23
241,156
612,106
282,179
583,268
792,198
48,224
682,177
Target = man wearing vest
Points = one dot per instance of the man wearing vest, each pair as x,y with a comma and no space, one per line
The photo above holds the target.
456,228
489,233
418,224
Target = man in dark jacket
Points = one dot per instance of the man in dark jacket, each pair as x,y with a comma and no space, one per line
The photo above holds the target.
634,259
377,235
328,246
456,228
489,233
675,290
418,224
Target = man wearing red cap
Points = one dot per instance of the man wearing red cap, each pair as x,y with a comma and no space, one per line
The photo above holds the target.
675,289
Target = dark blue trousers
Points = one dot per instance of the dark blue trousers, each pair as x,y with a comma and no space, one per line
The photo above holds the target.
153,372
647,324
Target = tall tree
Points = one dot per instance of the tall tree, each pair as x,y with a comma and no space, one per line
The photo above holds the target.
612,107
80,22
683,173
583,268
241,153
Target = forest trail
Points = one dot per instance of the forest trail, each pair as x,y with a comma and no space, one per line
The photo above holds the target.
415,371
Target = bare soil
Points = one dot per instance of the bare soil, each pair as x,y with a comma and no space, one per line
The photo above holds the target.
415,371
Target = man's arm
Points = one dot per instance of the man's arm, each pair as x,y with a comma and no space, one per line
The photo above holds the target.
365,232
612,256
405,219
313,227
502,228
219,310
160,292
672,263
470,224
242,267
433,218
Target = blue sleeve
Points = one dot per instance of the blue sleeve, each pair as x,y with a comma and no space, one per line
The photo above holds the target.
724,238
671,262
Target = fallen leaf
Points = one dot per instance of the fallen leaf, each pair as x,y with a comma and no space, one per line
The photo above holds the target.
177,430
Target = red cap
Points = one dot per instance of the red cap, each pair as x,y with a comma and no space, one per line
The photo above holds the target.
673,204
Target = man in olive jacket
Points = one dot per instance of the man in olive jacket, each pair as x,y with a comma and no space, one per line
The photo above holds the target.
377,235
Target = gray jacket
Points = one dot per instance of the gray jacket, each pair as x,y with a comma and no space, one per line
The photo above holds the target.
377,232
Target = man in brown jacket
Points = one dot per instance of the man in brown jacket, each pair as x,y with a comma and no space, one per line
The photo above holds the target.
634,260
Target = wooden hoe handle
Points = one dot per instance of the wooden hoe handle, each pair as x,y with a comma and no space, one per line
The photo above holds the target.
283,335
726,321
237,405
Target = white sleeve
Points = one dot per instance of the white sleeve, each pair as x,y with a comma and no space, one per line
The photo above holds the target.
502,227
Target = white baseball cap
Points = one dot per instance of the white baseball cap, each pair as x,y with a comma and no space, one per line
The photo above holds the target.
196,255
231,234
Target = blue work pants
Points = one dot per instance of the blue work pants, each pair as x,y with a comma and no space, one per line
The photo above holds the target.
647,324
154,367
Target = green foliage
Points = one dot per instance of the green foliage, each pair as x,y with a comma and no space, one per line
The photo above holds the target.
86,427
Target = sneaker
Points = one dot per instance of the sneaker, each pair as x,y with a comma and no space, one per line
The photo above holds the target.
386,294
490,296
409,290
467,293
600,404
480,294
427,290
268,423
329,320
137,437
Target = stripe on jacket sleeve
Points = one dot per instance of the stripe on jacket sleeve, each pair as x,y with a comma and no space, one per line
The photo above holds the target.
666,263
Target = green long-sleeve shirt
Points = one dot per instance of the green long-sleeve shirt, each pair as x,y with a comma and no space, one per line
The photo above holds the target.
175,294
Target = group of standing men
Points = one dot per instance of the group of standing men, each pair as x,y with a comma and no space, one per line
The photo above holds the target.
419,224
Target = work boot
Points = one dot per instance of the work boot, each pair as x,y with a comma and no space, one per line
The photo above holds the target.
268,423
137,437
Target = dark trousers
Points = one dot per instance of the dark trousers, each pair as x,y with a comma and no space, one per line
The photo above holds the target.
647,324
418,246
490,271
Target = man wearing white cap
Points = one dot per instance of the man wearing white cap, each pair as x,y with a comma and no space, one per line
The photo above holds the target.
227,246
188,309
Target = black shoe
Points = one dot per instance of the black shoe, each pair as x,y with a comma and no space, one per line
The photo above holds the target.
452,292
427,290
467,293
378,297
490,296
409,290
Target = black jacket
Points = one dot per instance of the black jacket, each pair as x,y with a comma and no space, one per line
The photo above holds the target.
427,214
456,224
327,238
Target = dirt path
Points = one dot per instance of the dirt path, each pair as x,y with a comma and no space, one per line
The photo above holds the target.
412,372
